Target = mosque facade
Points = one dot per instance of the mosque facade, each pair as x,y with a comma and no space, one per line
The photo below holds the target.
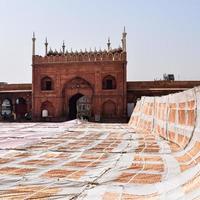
89,84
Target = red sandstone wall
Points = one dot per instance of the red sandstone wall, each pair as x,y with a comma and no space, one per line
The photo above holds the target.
133,85
93,72
21,86
137,89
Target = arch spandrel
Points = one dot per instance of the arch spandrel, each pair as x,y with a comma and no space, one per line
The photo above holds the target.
78,85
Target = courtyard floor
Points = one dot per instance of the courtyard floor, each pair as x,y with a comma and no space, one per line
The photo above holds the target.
93,161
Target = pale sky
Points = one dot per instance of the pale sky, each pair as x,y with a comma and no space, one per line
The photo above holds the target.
163,35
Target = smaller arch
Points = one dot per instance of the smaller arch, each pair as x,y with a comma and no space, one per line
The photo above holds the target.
47,109
109,83
110,56
116,56
98,57
86,57
6,107
92,57
105,56
109,109
76,57
47,83
123,56
69,57
20,107
80,57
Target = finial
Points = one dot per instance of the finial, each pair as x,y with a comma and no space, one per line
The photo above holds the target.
95,50
124,33
33,45
85,50
63,47
46,46
33,35
124,40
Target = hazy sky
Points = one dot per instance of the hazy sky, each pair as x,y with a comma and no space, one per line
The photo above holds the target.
163,35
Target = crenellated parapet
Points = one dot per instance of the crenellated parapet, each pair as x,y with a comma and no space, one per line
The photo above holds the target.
91,56
64,56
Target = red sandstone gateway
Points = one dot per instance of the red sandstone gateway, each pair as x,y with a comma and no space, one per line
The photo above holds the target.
61,79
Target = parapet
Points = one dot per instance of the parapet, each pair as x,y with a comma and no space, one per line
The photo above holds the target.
91,56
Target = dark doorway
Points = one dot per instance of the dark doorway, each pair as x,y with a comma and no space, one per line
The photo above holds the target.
72,106
21,108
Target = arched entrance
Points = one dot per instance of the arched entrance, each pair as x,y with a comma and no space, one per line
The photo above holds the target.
47,110
6,109
73,90
73,105
20,108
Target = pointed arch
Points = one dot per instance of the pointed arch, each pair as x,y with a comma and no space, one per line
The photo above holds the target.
21,107
110,56
6,107
109,83
116,56
98,57
47,108
47,83
105,56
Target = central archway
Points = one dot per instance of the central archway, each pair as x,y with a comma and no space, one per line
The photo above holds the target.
73,90
73,105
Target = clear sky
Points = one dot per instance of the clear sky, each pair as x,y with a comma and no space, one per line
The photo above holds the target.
163,35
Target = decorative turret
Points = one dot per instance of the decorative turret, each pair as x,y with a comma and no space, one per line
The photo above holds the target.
124,40
108,44
33,39
46,47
